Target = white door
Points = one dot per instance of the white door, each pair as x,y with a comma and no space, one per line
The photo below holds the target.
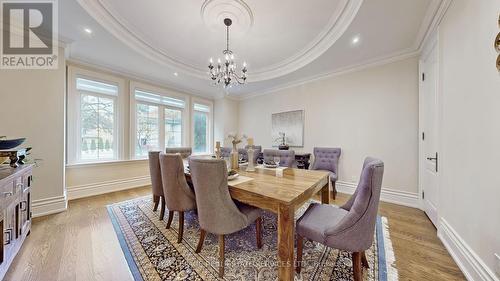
429,155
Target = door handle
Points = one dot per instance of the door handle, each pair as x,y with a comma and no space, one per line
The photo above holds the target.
434,158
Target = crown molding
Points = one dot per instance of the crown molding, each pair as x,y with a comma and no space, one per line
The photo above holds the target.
430,23
399,56
136,77
434,14
337,25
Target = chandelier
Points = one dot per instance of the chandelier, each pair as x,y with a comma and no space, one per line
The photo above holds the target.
225,72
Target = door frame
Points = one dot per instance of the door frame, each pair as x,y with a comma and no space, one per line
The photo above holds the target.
432,42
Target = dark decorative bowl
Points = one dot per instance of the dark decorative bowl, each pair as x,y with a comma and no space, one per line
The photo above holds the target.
9,144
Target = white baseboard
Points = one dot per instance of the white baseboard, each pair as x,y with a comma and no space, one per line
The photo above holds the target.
404,198
92,189
47,206
467,260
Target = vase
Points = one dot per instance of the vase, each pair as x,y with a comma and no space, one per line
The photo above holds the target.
234,158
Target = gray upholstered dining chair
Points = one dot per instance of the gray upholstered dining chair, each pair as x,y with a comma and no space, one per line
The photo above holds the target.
179,197
225,152
349,227
185,152
327,159
257,149
287,157
217,212
156,182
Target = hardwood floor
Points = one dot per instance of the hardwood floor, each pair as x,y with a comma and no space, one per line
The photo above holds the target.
80,244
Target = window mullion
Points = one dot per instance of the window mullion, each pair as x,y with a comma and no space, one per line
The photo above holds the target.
161,124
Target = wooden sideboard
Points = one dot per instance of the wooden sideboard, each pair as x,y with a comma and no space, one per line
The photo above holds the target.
15,211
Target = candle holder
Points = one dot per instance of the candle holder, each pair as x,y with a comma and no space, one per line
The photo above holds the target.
251,164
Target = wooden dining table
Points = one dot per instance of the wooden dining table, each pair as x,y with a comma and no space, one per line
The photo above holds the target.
281,192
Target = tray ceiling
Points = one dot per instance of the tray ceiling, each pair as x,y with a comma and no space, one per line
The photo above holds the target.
185,34
283,41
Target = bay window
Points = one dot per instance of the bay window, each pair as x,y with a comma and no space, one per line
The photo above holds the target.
102,127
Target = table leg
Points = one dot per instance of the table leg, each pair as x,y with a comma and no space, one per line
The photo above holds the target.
325,194
286,233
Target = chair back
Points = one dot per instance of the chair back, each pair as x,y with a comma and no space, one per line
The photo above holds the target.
185,152
225,152
287,157
256,152
358,225
326,158
217,212
155,172
178,195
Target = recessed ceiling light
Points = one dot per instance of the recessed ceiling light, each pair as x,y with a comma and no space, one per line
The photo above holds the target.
176,74
355,40
87,30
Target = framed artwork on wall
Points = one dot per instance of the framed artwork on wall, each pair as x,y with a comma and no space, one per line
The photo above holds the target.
288,128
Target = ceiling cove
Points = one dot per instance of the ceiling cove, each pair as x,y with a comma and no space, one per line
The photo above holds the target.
332,23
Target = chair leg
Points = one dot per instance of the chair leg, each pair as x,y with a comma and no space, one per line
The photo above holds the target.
356,266
258,232
300,246
364,261
156,201
162,209
334,190
203,233
181,227
221,256
170,217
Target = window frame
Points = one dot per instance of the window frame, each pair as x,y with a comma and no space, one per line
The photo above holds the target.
74,114
134,85
210,114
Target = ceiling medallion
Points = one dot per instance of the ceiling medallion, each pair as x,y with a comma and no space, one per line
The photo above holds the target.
212,12
225,72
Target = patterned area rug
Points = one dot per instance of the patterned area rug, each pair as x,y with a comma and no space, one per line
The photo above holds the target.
153,254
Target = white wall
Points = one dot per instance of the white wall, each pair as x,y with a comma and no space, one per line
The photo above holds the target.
226,117
372,112
470,187
32,104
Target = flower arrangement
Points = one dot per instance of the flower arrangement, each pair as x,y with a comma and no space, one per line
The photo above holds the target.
236,139
281,140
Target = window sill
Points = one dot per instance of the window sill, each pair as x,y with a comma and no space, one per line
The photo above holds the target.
103,163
